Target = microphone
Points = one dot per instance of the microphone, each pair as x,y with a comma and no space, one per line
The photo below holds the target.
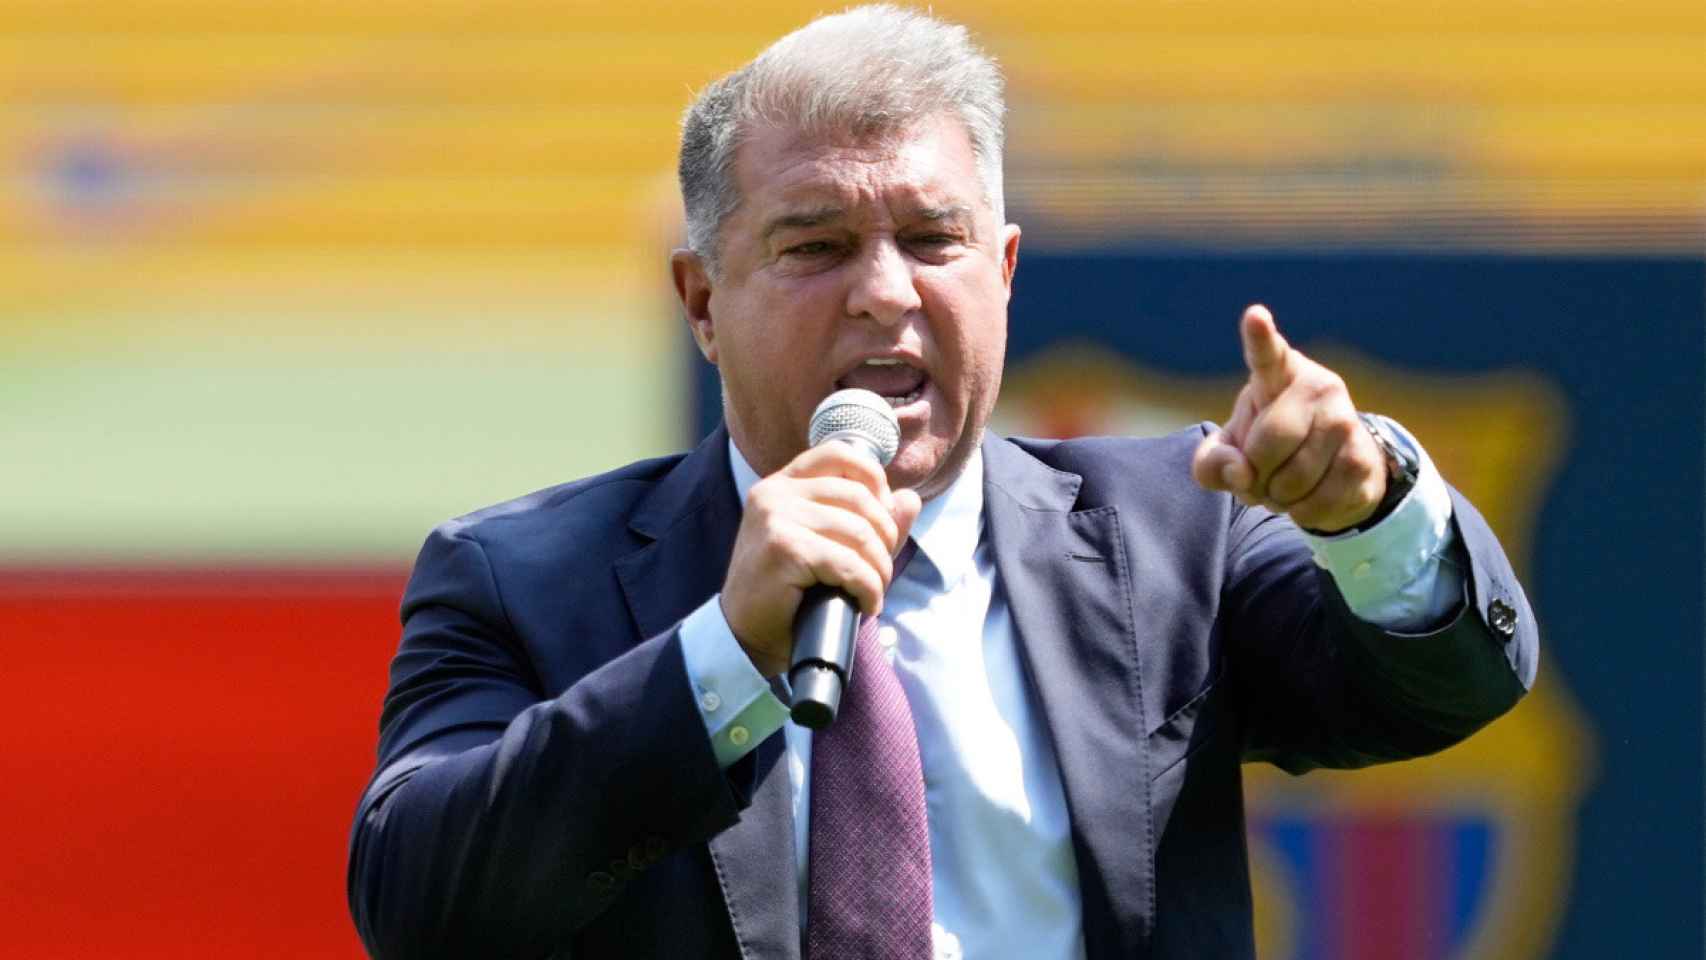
828,620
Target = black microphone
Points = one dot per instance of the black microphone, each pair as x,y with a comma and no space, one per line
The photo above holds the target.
828,619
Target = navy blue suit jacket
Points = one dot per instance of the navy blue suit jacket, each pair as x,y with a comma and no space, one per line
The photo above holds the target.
545,786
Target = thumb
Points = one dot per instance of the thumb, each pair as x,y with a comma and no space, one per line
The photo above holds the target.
904,506
1266,353
1218,465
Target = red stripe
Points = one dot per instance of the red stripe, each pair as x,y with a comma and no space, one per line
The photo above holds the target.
270,581
1383,878
182,752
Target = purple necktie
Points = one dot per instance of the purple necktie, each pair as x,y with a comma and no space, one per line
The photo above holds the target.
870,838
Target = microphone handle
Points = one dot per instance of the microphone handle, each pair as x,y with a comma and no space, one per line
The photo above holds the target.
824,631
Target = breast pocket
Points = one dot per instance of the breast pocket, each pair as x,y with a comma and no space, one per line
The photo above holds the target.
1185,732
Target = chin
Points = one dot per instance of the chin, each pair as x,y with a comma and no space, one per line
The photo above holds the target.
912,467
931,472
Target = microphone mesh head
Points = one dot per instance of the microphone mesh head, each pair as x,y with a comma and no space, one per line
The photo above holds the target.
861,414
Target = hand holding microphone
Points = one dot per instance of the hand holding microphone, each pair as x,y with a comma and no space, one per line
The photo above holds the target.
828,519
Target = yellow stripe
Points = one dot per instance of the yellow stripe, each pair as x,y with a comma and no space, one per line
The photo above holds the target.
1278,16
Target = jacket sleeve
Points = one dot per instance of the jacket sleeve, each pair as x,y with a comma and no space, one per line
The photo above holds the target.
1318,687
500,820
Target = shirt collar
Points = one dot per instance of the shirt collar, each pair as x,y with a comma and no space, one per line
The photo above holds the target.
948,528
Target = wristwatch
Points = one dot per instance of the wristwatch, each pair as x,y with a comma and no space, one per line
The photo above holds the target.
1403,465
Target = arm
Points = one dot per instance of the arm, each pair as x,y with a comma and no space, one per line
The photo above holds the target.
503,818
500,821
1318,686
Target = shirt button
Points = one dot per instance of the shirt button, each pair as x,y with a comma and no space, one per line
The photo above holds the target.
739,736
946,945
1362,569
710,701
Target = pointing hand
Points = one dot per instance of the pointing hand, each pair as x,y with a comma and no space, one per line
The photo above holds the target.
1293,442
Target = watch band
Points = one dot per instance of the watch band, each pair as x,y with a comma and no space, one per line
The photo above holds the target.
1403,466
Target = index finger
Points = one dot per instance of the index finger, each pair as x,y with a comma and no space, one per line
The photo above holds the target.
837,459
1266,353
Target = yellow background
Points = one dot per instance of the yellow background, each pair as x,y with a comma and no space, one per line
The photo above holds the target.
295,281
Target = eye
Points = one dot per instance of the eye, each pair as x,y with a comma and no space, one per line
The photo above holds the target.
932,246
811,248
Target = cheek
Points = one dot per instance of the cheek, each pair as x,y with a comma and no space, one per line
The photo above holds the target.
973,351
799,314
773,349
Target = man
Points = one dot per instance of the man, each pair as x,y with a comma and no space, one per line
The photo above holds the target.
585,752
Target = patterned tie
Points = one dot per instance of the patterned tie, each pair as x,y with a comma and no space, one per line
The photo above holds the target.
870,838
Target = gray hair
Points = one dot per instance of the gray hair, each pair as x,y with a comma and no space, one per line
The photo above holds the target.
868,72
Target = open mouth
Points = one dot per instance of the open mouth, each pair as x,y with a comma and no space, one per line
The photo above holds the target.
891,378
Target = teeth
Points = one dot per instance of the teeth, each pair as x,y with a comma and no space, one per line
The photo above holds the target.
884,362
903,401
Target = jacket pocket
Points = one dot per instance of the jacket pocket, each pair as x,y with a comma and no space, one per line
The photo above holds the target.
1187,730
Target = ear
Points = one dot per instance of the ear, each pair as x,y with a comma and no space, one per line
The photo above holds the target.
1009,254
693,287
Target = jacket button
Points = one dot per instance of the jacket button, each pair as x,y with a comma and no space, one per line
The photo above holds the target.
600,883
1501,616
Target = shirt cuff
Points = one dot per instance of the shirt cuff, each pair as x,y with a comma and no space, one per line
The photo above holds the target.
739,708
1398,574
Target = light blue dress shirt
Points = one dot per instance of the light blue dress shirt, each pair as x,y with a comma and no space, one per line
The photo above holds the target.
1005,883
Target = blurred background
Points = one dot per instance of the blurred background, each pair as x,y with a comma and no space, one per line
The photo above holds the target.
284,285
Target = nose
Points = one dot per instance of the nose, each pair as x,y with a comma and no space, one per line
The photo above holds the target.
882,285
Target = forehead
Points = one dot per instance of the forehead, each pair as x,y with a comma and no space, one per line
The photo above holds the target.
930,164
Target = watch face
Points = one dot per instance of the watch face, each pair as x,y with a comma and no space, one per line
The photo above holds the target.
1401,459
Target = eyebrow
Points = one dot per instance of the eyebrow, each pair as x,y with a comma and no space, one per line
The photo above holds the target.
934,214
816,217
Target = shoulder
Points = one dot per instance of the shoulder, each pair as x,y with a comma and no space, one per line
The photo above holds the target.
588,511
1119,469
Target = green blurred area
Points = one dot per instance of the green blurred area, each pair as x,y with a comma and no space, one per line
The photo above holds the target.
291,455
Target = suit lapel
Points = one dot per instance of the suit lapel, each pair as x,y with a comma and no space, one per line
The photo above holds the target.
756,866
1068,584
691,517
